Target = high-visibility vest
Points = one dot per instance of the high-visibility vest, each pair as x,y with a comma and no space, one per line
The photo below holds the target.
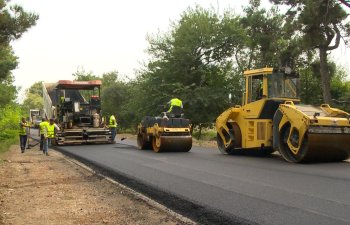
22,128
112,121
43,127
175,102
50,130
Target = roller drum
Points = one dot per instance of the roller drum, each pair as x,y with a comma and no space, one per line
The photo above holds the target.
173,144
317,147
328,147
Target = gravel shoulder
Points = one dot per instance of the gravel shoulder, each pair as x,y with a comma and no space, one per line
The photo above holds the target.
39,189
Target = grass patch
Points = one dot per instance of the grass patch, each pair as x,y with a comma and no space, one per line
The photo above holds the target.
127,130
206,135
5,145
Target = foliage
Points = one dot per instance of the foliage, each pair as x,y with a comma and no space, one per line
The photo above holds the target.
310,83
109,79
8,91
14,21
34,97
193,62
200,60
207,134
201,57
321,24
9,125
8,62
82,75
36,89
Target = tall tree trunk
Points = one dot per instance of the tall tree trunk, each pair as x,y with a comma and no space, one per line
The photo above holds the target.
325,76
200,131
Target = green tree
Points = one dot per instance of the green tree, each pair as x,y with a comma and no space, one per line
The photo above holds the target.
193,61
322,25
34,97
14,21
109,78
269,39
36,88
82,75
8,91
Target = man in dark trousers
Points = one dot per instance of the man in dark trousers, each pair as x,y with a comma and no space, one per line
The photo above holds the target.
42,130
23,133
113,126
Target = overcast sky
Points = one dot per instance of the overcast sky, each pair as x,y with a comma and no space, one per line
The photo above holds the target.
100,36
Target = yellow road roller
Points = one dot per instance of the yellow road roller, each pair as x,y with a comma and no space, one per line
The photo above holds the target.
167,133
272,118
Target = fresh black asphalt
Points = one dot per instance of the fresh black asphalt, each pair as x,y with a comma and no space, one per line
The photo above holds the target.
212,188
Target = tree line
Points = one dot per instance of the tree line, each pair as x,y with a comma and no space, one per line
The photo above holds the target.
202,56
14,21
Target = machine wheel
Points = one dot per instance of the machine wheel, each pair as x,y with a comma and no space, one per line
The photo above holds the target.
142,142
156,144
236,140
286,152
225,150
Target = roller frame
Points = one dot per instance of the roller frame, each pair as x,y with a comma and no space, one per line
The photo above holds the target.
166,139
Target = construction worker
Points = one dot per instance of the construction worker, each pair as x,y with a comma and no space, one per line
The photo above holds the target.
42,130
113,126
23,133
175,102
50,135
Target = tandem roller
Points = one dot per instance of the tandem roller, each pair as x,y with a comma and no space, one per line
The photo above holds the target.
272,118
164,134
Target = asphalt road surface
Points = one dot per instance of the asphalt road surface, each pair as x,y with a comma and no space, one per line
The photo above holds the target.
241,189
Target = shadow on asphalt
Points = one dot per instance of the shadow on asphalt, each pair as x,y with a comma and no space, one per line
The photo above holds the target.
124,146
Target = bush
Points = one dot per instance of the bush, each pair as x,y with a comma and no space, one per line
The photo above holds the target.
9,125
207,134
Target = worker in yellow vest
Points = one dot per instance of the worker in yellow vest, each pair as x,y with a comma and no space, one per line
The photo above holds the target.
50,135
113,126
175,102
42,130
23,133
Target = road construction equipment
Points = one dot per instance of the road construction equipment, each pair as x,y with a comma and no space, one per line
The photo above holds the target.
272,118
34,118
167,133
76,105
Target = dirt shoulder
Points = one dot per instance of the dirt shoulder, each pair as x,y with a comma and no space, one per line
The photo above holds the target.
39,189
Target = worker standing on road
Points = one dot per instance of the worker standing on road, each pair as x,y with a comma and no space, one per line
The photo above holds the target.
23,133
42,130
113,126
51,127
175,102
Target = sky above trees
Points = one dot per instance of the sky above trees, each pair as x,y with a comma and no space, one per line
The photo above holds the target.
100,37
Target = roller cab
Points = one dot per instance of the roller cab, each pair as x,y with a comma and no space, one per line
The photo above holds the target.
271,118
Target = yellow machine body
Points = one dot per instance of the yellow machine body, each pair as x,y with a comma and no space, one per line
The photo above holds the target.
164,134
271,118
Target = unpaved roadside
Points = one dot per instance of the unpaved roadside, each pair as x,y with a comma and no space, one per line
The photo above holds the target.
38,189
